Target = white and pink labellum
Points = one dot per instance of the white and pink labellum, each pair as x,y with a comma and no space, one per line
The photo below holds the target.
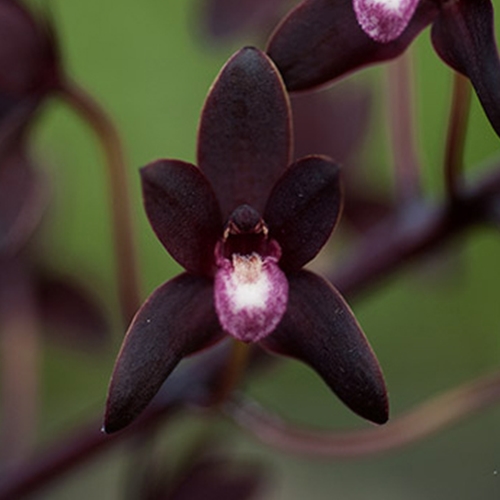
384,20
251,295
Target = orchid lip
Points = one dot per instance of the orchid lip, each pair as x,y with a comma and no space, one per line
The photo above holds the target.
251,294
384,20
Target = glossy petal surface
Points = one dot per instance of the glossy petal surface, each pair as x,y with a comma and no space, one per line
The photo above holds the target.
244,138
384,20
178,319
463,35
183,212
321,40
320,329
303,209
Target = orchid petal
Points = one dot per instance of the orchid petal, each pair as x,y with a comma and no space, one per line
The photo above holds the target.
464,37
303,209
321,40
384,20
178,319
183,212
320,329
245,131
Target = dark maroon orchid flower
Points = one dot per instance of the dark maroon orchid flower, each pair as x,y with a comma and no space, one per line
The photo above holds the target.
28,65
243,225
322,40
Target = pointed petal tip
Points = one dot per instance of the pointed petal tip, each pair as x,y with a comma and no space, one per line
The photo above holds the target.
378,412
115,421
178,319
320,329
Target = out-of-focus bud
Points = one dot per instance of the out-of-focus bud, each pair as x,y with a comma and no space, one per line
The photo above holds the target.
28,65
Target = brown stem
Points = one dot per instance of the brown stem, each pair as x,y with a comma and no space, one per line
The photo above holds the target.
126,259
423,228
455,141
416,424
19,353
401,125
238,362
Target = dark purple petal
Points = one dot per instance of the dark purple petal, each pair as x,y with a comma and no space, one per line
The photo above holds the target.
321,40
303,209
226,18
183,212
178,319
320,329
70,313
23,195
332,123
244,138
463,35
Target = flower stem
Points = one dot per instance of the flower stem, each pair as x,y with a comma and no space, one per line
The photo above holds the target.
401,125
19,348
126,259
416,424
455,141
238,362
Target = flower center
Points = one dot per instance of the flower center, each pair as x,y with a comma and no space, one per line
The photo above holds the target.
251,291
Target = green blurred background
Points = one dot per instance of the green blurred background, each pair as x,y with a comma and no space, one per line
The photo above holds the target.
434,326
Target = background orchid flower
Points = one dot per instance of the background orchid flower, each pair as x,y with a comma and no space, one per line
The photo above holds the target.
243,225
29,65
321,41
66,309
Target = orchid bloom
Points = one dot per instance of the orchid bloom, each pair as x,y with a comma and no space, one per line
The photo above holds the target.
323,40
243,224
